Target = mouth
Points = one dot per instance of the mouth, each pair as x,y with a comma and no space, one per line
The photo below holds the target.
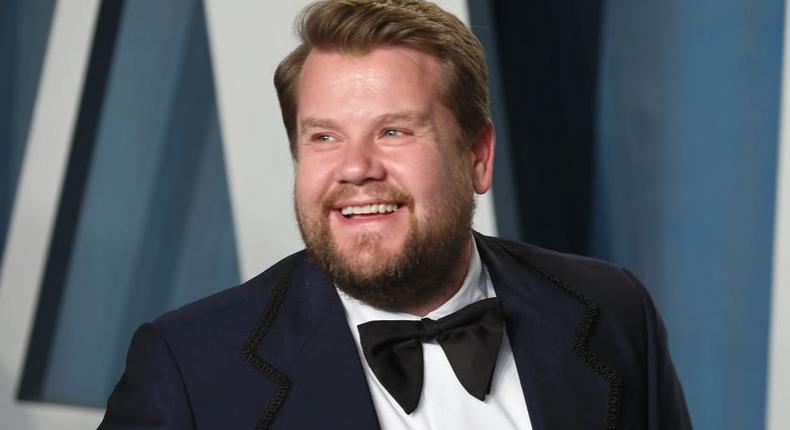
368,210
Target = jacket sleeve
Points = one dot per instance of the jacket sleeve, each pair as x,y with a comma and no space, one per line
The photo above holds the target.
151,393
666,408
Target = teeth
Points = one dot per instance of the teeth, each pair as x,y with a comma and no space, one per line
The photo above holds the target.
369,209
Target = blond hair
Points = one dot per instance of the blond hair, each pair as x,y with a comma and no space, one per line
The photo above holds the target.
359,26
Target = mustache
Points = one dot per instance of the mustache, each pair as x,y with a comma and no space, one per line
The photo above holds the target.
375,190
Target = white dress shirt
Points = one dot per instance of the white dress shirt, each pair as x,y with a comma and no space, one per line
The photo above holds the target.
444,403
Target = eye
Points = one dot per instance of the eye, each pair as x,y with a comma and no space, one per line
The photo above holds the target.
391,132
322,138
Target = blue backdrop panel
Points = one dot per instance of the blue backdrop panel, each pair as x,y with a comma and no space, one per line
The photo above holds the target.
684,194
155,229
24,28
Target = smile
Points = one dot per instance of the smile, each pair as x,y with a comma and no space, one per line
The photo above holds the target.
376,208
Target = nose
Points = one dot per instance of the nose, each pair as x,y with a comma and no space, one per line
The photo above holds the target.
361,163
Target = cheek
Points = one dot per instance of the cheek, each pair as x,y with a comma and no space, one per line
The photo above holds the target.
307,186
426,178
448,181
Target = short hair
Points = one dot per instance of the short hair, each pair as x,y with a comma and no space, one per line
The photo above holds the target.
359,26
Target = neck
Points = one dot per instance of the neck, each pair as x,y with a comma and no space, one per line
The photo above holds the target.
452,287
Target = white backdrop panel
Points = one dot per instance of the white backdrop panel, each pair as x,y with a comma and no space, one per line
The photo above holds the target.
778,399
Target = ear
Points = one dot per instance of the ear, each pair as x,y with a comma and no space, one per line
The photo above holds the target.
482,154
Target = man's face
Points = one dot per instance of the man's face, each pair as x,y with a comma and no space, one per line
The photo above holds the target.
381,183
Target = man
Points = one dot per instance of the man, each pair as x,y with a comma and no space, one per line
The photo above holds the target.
398,315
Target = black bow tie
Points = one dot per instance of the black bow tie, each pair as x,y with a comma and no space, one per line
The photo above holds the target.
470,339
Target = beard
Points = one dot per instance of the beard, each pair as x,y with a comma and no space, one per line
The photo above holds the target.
421,271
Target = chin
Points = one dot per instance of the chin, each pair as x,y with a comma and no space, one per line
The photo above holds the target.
367,253
368,244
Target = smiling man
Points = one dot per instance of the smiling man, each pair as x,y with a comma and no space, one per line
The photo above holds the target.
397,315
384,191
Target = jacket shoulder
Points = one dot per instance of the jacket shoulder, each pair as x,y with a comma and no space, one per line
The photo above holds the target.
591,277
241,304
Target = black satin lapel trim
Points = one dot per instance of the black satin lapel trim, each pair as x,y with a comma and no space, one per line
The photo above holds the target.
249,354
583,332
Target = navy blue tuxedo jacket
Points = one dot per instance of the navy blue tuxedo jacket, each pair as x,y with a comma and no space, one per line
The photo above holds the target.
277,352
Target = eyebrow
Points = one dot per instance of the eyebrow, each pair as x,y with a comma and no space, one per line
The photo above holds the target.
417,118
311,122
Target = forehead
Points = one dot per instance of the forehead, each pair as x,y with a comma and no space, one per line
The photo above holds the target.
386,54
346,75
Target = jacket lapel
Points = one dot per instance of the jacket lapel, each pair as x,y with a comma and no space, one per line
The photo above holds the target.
318,370
544,323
